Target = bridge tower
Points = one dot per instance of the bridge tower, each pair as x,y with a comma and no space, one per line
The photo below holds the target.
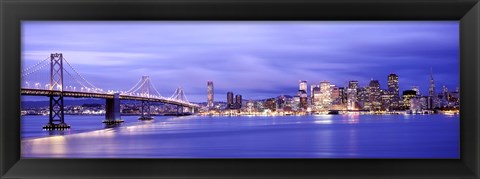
145,92
56,118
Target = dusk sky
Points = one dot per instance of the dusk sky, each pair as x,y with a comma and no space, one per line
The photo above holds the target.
255,59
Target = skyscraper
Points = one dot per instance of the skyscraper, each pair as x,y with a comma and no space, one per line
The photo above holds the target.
326,94
303,86
431,92
229,100
352,92
393,84
210,94
393,89
375,94
238,101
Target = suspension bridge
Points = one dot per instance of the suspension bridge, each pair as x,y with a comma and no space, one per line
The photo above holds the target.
57,89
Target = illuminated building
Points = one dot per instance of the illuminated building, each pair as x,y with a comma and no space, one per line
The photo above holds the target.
281,102
364,98
230,100
238,101
393,89
296,103
303,86
353,85
343,95
325,96
374,95
316,93
407,96
432,100
416,89
270,104
210,94
352,92
303,101
312,88
386,100
335,93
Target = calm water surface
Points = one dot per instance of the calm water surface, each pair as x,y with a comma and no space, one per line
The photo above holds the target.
327,136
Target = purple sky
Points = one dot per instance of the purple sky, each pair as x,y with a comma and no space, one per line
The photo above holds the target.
255,59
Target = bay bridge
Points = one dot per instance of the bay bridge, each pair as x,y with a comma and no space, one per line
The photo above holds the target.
56,89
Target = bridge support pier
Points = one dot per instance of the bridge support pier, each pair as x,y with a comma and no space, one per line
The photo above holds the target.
112,110
145,110
56,118
179,110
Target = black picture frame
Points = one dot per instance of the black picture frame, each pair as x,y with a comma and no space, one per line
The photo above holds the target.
12,12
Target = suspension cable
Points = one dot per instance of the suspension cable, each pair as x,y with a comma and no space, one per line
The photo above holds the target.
79,74
35,70
33,66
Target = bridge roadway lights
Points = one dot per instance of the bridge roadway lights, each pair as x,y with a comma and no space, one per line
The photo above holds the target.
51,126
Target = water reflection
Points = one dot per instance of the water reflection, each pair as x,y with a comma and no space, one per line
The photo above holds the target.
329,136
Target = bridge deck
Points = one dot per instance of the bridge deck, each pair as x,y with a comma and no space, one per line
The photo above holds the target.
78,94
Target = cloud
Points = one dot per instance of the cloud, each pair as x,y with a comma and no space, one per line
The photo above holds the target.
256,59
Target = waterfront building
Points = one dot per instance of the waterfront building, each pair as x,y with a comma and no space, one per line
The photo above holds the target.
407,95
281,102
303,101
296,103
210,94
352,92
250,105
364,98
432,103
238,101
303,86
335,94
374,95
316,103
343,95
353,84
417,90
312,96
230,100
325,95
386,99
393,88
270,104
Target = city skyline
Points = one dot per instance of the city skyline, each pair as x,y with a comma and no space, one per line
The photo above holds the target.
255,59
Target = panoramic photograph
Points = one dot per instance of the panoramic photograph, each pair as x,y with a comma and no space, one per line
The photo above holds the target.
240,89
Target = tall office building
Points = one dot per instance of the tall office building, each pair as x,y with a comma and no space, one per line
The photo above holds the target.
417,89
374,95
393,89
312,96
326,94
316,96
210,94
303,86
352,92
343,95
238,101
407,96
353,85
304,101
335,92
431,90
432,99
393,84
229,100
